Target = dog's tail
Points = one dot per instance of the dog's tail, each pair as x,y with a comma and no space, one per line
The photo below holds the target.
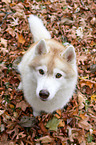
38,29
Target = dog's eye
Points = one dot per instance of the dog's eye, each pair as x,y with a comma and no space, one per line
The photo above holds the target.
58,75
41,71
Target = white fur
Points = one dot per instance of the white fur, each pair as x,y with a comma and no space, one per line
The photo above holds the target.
38,29
60,89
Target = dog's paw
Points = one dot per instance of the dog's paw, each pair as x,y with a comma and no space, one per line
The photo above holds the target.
20,87
36,113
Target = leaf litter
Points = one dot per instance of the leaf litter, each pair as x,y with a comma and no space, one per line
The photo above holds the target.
72,21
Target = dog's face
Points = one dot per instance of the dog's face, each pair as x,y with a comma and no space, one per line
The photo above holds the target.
48,85
51,70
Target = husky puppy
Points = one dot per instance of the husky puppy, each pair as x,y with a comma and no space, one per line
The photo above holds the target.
48,70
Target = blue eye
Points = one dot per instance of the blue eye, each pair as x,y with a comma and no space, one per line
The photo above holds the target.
41,71
58,75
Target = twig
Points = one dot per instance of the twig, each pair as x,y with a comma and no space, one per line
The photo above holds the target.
7,13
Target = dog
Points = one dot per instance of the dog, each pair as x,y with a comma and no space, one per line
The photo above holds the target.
48,70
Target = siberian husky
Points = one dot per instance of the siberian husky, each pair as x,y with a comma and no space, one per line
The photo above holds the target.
48,70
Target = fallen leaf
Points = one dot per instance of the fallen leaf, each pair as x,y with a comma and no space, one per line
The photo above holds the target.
83,116
93,97
21,135
53,124
4,50
28,121
93,68
45,139
84,124
79,32
2,112
61,123
23,105
86,82
6,1
11,31
3,41
82,58
58,113
11,106
21,38
2,127
93,21
43,128
81,100
15,21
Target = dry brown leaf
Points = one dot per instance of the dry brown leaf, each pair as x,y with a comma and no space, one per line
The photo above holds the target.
82,58
4,50
83,116
21,135
6,1
23,105
15,21
11,31
58,113
45,139
84,124
84,81
81,100
43,128
3,41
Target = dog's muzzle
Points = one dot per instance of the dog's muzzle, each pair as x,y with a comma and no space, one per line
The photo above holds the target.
44,94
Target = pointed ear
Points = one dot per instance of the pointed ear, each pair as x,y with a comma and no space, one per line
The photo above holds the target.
41,47
69,54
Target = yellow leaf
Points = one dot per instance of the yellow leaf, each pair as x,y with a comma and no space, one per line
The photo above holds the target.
21,38
82,78
93,97
11,106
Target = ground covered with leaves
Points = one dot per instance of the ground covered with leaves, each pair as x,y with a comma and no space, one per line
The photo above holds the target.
73,21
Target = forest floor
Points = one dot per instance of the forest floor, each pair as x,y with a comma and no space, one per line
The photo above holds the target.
72,21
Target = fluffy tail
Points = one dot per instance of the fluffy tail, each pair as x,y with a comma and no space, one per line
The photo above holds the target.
38,29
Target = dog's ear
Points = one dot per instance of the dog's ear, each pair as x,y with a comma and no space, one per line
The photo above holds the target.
41,47
69,54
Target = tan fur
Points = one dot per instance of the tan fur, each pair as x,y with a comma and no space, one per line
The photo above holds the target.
53,59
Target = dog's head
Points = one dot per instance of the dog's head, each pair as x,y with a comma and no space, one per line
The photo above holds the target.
52,68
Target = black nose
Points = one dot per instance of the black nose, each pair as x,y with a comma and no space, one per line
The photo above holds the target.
44,94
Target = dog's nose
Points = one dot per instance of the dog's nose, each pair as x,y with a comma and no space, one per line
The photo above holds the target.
44,94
